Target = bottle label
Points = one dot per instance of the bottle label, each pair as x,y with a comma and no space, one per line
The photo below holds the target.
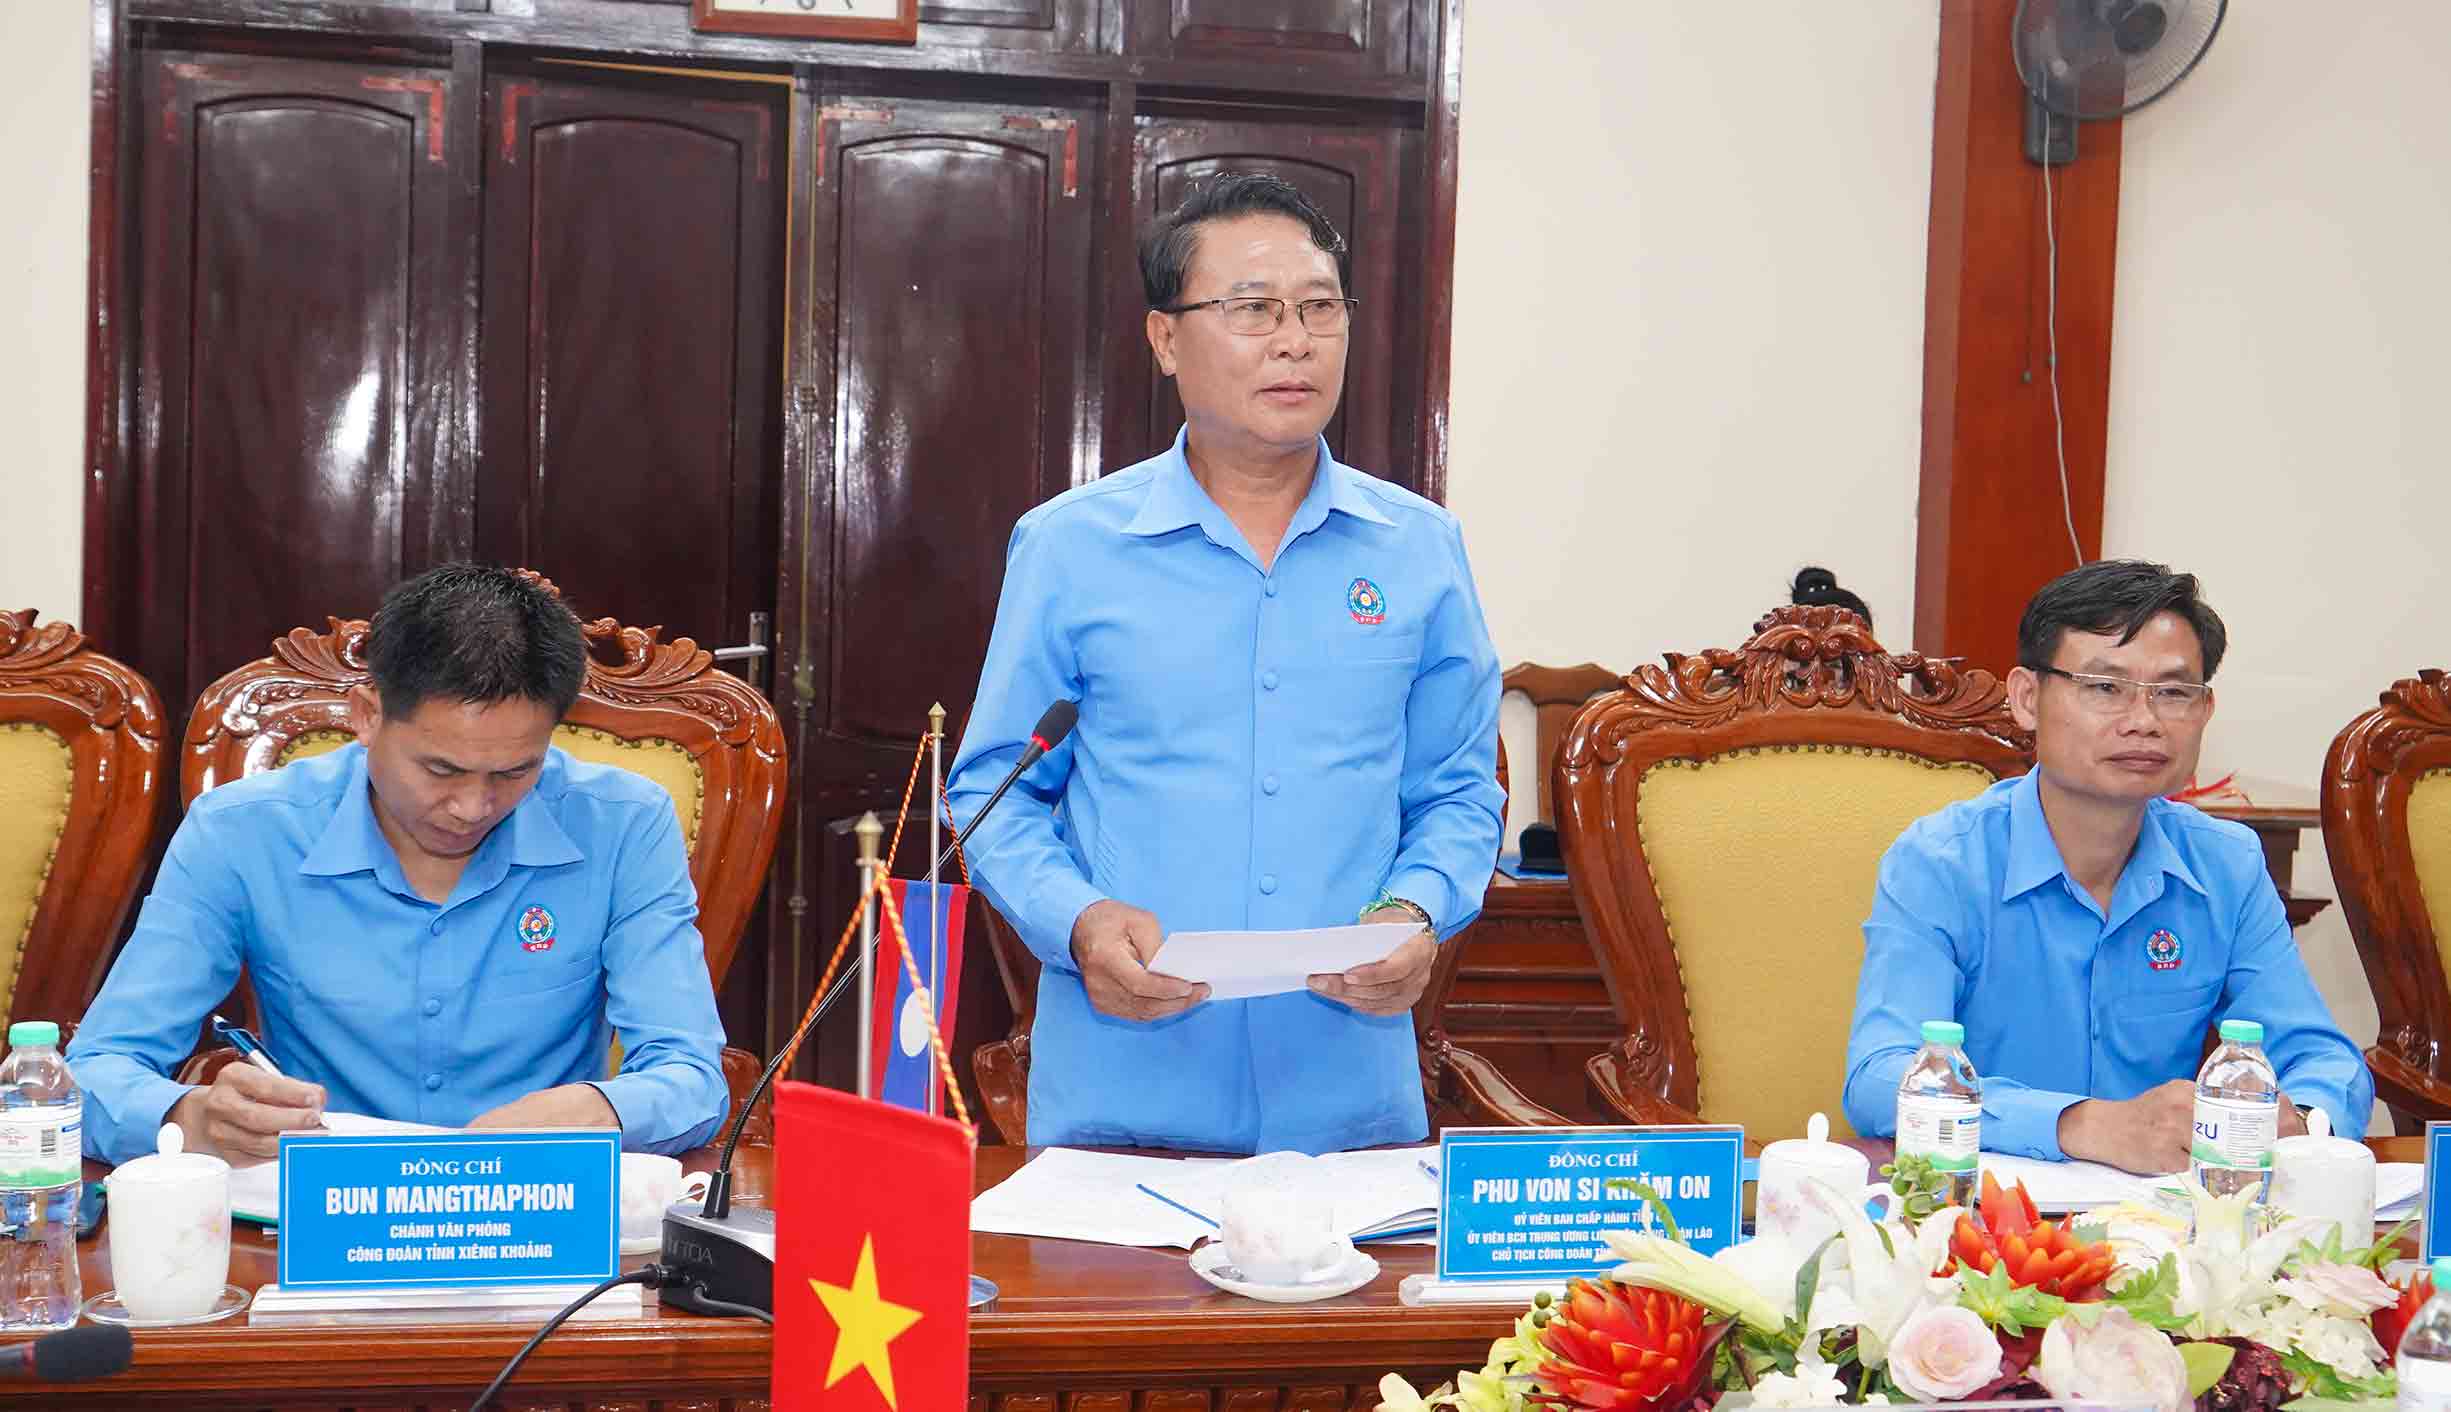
2236,1133
41,1147
1949,1131
2425,1385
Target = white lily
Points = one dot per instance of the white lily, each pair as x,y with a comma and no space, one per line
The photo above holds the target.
1656,1262
1888,1280
2225,1278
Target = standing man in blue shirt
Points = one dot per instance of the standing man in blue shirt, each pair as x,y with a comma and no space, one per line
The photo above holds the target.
445,922
2087,931
1289,709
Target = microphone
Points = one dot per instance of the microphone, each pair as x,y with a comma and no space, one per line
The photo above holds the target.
72,1355
721,1261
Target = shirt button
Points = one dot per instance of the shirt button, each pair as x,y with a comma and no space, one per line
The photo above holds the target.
1269,587
433,1082
434,1007
1268,784
1268,882
1268,680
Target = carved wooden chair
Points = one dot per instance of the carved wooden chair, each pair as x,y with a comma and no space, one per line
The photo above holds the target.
662,711
80,781
1723,819
2387,828
1557,694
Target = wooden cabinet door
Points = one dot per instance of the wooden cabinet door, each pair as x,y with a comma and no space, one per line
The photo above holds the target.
949,333
632,316
1351,175
1356,37
1035,26
294,341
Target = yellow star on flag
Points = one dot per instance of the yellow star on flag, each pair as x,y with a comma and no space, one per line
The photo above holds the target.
867,1324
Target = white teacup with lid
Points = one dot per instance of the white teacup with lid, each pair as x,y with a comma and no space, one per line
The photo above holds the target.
1278,1222
170,1231
2328,1178
1783,1206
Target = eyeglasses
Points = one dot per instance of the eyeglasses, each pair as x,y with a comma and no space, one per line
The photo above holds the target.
2113,696
1255,315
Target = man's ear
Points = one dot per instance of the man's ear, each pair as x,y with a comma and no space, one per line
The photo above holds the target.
2025,698
365,712
1161,340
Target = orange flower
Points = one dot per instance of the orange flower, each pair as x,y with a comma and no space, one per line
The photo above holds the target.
2044,1254
1614,1346
2392,1320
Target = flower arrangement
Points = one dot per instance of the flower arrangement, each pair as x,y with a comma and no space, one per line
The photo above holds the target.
2239,1309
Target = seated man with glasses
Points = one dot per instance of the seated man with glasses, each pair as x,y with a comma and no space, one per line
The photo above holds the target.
1289,707
2088,932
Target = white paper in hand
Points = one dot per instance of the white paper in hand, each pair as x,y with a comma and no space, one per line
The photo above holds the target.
1240,965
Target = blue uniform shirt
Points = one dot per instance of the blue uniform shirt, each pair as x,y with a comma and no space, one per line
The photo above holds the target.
402,1008
1977,920
1257,750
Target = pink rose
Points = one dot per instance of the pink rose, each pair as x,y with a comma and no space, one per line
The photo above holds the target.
1943,1354
2117,1360
2333,1288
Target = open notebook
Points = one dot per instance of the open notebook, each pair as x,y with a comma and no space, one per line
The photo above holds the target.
1118,1199
2081,1186
255,1190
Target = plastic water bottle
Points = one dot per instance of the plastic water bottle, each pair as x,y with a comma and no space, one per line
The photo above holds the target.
2424,1361
1940,1109
2238,1113
42,1149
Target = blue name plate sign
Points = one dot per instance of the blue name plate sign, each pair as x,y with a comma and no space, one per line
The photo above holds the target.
376,1211
1533,1203
2435,1208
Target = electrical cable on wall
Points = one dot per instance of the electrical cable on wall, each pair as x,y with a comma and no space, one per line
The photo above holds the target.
2051,326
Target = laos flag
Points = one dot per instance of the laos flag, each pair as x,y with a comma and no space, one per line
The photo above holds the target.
900,1054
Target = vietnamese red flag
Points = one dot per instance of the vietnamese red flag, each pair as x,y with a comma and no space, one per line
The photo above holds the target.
872,1255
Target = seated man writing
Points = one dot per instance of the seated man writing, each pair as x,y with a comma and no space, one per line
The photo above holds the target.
444,922
2087,931
1289,710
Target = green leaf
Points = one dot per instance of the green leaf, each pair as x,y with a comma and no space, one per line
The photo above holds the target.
2148,1297
2206,1362
2323,1383
2378,1256
1808,1280
1629,1186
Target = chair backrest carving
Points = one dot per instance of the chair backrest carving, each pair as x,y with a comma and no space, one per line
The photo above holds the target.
659,708
80,784
2387,830
1723,817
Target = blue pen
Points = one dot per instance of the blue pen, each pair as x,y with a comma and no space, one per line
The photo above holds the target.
1177,1205
1426,1169
238,1037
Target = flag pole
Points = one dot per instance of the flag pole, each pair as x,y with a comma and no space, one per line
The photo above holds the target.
869,832
936,895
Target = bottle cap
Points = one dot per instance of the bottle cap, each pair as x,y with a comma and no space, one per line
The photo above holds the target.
33,1032
2442,1272
2242,1031
1943,1032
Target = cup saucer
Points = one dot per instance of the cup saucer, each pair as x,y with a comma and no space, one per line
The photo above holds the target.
105,1308
1209,1262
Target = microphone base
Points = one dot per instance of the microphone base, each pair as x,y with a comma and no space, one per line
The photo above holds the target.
728,1257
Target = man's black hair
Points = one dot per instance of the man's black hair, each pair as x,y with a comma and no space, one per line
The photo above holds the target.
2115,596
474,633
1166,249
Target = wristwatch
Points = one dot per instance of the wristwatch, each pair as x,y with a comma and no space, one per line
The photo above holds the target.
1386,899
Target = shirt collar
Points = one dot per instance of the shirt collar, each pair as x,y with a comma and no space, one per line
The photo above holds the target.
530,837
1175,499
2034,856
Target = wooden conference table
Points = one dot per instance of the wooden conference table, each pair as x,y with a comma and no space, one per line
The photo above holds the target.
1079,1328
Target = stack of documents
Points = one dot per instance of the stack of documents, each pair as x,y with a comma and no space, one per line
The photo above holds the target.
2059,1187
1242,965
1116,1199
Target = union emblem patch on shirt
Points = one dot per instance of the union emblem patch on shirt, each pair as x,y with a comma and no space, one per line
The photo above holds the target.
1364,601
536,930
2162,951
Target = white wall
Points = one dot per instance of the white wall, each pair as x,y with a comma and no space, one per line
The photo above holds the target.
43,162
2278,380
1688,317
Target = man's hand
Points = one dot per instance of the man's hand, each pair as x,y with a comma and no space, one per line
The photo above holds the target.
2293,1122
2152,1133
244,1111
566,1106
1111,944
1388,986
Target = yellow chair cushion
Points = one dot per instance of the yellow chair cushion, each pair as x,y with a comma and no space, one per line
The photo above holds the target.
1765,861
2429,845
662,761
38,774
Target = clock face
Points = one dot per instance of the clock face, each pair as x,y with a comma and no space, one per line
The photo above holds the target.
894,21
